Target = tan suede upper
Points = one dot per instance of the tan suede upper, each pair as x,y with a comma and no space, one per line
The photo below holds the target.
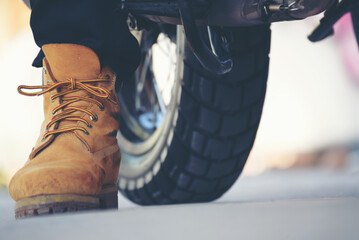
72,162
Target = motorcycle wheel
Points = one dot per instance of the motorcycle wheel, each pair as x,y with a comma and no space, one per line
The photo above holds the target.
186,133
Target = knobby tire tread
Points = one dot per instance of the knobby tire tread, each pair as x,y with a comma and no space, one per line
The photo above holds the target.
216,127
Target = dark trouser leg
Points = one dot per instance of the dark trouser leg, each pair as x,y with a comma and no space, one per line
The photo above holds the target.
92,23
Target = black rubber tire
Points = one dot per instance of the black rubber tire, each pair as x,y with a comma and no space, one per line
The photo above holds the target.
216,128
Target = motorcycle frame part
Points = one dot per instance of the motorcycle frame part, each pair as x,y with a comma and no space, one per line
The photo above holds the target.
210,47
224,13
209,58
227,13
331,16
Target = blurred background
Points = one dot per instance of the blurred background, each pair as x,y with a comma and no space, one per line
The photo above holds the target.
311,115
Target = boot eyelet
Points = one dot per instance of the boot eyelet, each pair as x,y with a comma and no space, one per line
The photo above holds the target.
102,108
89,126
108,77
86,132
94,118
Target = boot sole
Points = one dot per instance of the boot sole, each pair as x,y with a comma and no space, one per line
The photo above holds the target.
62,203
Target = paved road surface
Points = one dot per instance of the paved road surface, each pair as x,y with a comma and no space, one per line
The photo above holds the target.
277,205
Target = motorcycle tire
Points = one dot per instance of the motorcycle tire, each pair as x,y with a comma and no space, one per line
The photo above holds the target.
212,126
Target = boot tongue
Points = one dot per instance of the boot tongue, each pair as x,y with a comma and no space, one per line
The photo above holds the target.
72,61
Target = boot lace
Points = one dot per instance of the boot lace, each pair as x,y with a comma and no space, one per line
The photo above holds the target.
64,88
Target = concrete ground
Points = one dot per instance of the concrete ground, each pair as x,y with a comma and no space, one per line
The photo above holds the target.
276,205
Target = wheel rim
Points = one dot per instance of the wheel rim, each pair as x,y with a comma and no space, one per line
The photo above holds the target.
147,124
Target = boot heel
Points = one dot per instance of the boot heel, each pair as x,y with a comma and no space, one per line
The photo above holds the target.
108,197
53,204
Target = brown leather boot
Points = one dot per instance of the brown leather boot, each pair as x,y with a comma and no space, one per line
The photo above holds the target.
75,162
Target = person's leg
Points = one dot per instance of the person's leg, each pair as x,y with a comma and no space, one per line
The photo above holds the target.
74,164
91,23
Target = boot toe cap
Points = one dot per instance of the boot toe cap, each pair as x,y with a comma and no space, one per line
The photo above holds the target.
57,177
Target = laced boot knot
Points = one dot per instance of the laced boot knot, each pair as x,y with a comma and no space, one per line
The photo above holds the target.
64,88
